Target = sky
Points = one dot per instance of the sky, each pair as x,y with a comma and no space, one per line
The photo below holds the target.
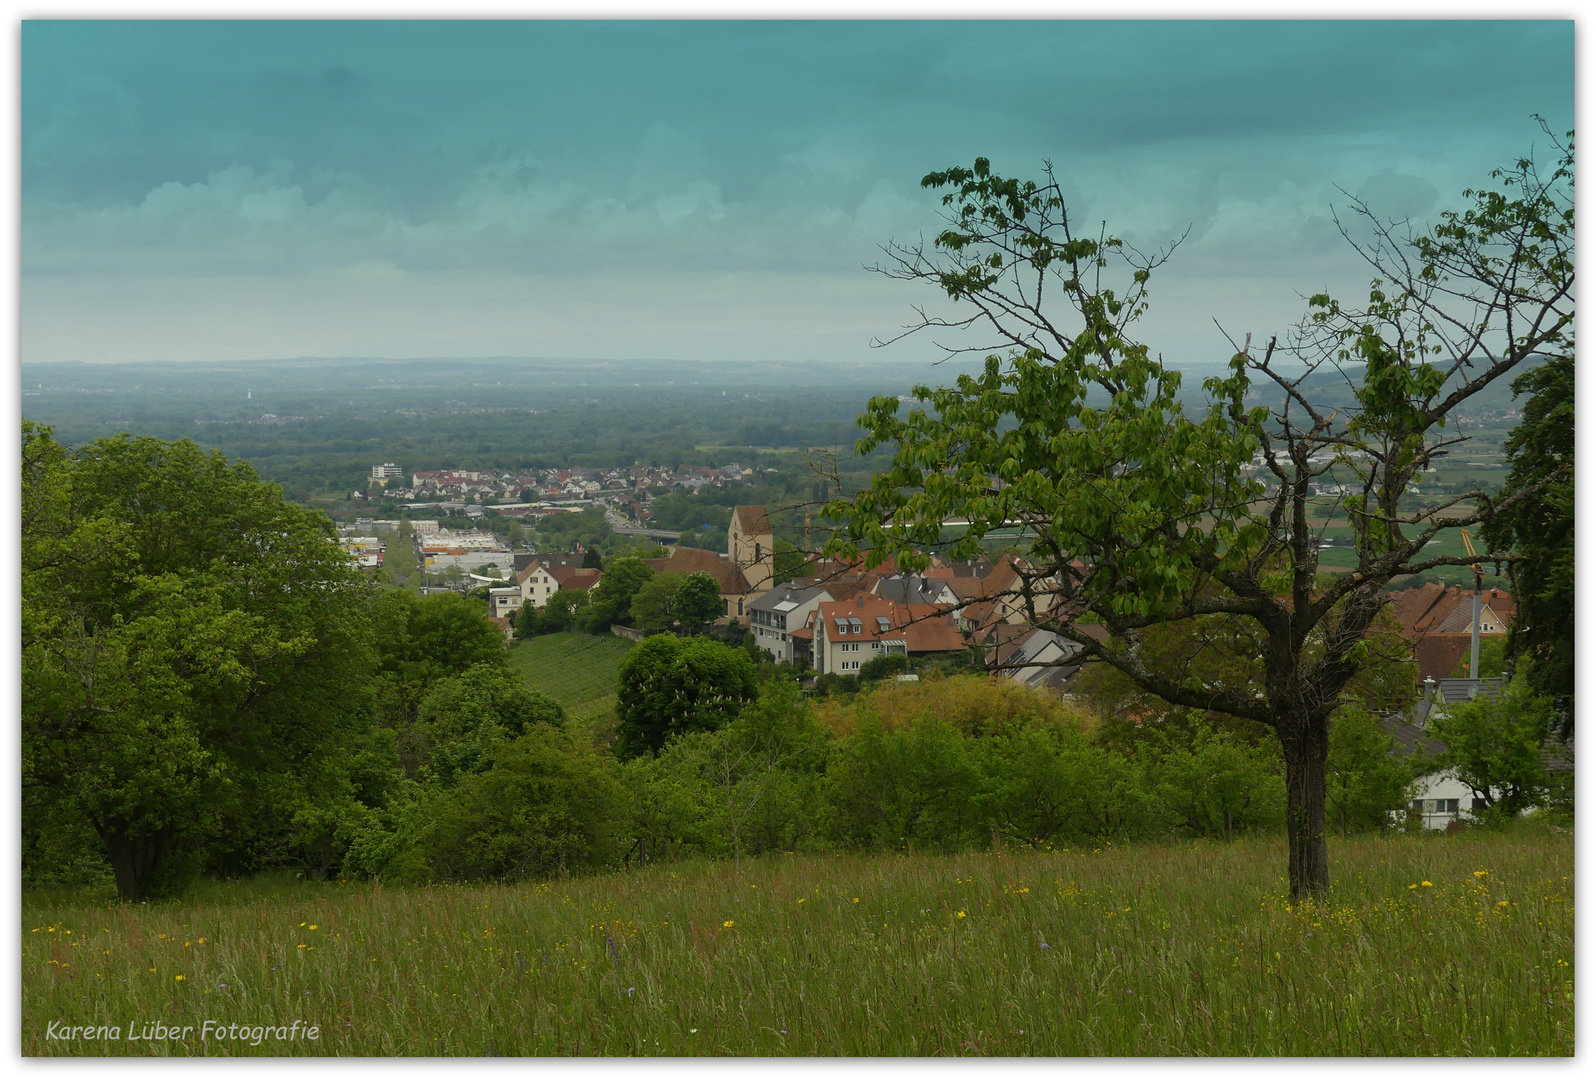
710,190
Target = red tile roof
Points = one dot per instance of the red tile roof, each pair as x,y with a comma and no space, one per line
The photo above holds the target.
575,577
1423,610
921,627
685,560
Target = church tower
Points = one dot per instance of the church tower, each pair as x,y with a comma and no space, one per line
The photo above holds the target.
751,545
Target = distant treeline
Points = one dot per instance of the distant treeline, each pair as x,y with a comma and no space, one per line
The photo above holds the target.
333,448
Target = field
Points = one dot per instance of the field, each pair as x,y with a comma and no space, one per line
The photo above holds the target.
1433,945
577,670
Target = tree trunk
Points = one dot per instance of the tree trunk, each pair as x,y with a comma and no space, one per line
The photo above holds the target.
1306,743
134,858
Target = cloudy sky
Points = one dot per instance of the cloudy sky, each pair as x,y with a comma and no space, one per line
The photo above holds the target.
239,190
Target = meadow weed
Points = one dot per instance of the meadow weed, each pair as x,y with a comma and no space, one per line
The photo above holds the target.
1425,946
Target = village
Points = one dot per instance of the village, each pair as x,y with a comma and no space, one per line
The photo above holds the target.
834,617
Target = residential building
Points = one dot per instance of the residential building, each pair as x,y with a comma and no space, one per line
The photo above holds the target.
504,603
1033,657
849,632
1441,798
1438,620
913,589
774,617
542,576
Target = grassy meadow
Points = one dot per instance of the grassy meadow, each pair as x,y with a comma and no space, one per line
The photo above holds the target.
577,670
1427,945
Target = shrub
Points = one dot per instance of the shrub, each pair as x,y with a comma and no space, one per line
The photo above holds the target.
545,807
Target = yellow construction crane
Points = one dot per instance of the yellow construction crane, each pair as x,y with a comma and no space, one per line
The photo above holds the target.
1468,546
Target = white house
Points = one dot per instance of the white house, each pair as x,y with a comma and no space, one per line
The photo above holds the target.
773,617
504,603
1440,798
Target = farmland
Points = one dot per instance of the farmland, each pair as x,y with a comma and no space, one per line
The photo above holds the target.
1426,945
577,670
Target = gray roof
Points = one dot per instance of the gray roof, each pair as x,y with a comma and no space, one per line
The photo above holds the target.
910,590
782,599
1454,691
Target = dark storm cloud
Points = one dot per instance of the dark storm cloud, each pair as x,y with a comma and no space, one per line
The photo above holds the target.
345,170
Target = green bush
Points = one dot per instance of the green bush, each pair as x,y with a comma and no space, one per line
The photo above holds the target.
913,788
1218,784
547,806
464,718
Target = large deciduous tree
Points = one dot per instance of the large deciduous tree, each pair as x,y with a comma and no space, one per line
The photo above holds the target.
1144,509
1540,453
698,601
671,686
193,646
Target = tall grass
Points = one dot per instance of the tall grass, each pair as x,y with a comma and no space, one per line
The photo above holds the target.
1457,945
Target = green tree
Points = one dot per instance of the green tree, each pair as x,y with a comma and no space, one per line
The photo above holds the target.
1044,784
193,647
1219,784
698,601
1366,781
745,757
885,666
1493,658
1540,455
670,686
565,610
421,639
464,718
789,561
914,787
1494,744
654,603
1142,508
610,601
